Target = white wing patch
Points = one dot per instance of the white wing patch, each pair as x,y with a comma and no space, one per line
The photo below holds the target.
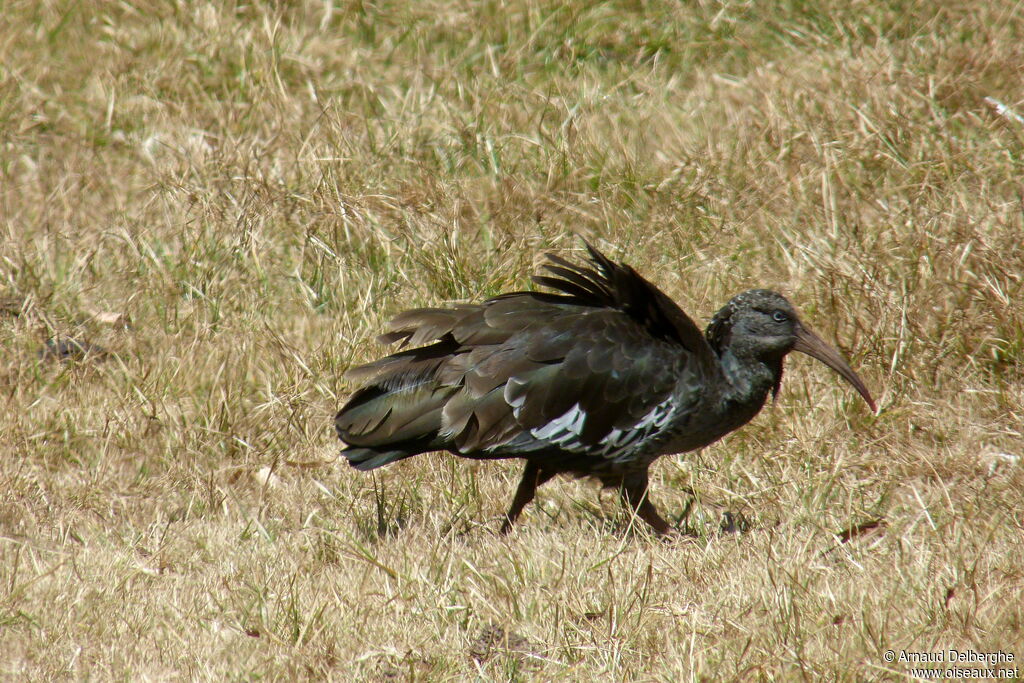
657,416
565,430
651,423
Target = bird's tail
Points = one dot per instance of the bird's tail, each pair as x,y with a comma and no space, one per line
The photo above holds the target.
398,415
372,458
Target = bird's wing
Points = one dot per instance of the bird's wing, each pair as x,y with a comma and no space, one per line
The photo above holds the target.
585,381
592,369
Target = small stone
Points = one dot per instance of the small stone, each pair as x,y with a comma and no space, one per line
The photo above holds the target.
67,349
494,640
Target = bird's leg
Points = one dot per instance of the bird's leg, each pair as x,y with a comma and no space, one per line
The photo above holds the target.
533,476
634,496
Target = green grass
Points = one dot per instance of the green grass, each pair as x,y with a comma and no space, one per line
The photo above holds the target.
252,189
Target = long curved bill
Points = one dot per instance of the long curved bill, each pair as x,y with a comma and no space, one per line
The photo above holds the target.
811,344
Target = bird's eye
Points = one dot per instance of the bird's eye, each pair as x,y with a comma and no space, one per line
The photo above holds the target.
780,316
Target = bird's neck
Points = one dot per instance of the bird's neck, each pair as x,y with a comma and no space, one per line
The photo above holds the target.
749,378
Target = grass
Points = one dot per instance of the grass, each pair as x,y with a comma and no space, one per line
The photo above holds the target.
233,198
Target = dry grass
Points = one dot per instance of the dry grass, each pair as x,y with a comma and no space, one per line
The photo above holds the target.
231,198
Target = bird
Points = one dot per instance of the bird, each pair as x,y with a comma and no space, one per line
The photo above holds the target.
597,378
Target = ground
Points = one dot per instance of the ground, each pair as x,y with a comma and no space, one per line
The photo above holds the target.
211,209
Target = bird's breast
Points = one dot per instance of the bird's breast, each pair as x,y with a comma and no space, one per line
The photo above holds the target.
709,422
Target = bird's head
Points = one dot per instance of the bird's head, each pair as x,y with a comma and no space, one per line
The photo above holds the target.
762,325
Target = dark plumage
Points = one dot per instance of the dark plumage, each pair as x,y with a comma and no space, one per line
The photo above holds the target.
597,380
